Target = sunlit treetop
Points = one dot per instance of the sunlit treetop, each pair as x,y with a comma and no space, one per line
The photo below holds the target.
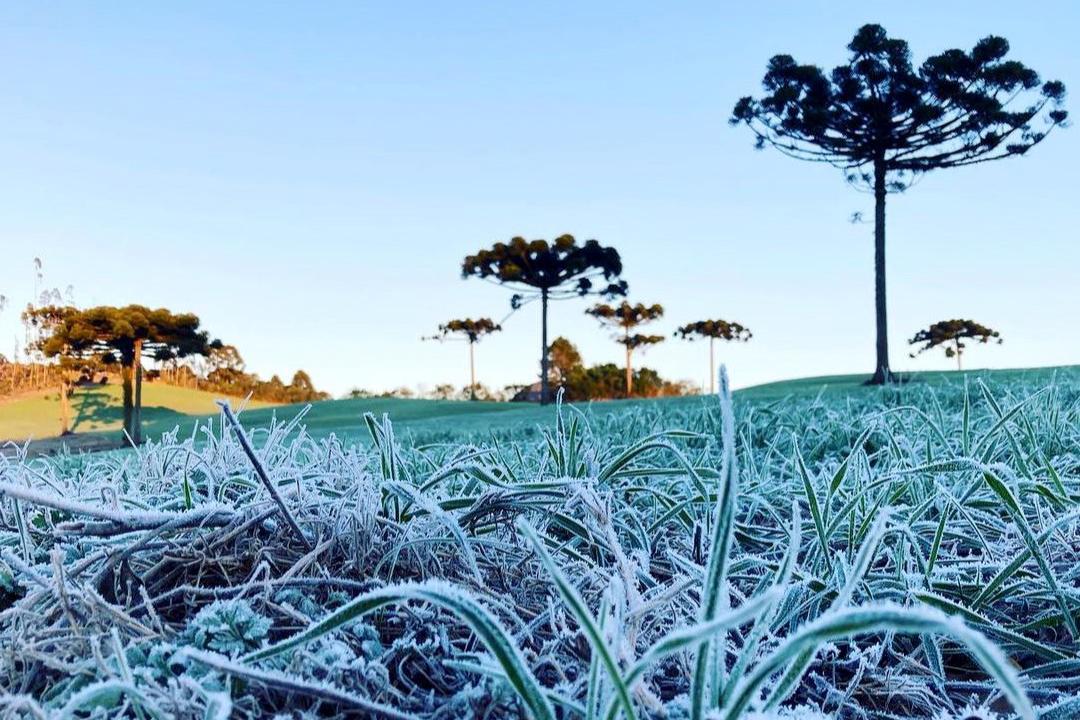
715,329
638,340
625,314
563,267
110,333
957,108
951,333
472,330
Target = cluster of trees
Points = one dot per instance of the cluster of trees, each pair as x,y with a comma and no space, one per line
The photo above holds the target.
442,391
879,118
563,269
82,343
606,380
224,372
122,337
17,378
539,270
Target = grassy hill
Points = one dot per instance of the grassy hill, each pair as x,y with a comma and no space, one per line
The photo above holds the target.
98,410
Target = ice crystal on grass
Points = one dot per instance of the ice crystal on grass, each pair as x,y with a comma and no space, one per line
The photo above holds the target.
227,626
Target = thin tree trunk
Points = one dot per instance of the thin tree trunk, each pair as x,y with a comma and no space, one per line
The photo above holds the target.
629,370
136,435
959,365
65,408
127,372
472,371
712,366
882,373
544,393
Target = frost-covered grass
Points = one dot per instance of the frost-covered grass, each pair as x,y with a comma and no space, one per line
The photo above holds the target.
890,553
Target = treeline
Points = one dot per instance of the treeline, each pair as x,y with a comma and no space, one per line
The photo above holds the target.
70,346
225,373
566,371
605,381
18,378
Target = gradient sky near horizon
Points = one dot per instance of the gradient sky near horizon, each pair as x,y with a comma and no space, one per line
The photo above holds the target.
308,176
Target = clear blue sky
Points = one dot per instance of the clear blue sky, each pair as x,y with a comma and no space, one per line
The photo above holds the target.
307,177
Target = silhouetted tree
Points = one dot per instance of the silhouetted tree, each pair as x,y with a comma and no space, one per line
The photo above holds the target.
125,335
951,334
472,331
884,122
548,271
624,317
714,330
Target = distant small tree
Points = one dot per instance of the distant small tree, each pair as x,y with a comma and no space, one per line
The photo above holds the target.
950,334
302,388
443,391
624,317
563,357
472,331
548,271
124,335
714,330
884,122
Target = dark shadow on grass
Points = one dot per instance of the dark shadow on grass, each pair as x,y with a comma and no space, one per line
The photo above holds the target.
93,405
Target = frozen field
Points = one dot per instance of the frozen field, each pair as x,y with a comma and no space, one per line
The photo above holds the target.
879,553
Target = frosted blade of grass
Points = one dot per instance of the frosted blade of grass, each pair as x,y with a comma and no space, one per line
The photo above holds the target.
1022,557
855,575
781,578
1002,490
577,607
986,625
498,642
850,622
260,471
815,510
702,686
289,684
684,638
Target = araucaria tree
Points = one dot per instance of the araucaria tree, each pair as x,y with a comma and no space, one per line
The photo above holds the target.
548,271
714,330
884,122
950,334
126,335
624,317
472,331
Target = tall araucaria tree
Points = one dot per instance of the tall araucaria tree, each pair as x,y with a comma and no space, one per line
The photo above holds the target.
624,317
126,335
548,271
714,330
950,334
885,122
472,331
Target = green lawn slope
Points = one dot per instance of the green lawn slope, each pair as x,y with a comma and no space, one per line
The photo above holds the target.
99,409
98,414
